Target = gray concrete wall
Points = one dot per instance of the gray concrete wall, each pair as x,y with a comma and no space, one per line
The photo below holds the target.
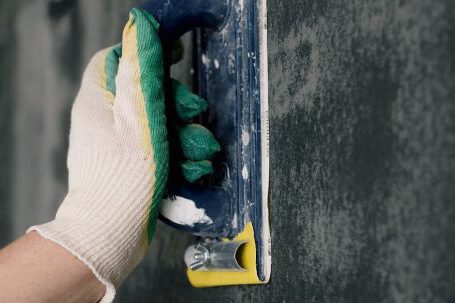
362,124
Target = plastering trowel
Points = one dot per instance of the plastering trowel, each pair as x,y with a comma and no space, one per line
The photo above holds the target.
229,215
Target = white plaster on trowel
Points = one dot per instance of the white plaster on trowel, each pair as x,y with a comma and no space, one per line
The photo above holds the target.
245,137
241,5
245,174
183,211
205,60
263,73
234,222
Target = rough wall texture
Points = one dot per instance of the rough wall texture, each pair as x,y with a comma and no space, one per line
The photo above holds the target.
362,123
365,91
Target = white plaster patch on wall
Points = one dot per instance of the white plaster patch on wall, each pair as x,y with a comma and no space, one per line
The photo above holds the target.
184,211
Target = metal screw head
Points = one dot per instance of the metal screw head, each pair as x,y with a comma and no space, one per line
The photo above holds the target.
214,255
196,256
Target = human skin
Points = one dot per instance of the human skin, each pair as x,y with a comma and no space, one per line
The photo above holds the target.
34,269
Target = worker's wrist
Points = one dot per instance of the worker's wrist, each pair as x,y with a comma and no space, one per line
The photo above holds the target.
52,232
111,244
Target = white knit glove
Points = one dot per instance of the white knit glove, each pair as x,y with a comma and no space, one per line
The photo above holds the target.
118,155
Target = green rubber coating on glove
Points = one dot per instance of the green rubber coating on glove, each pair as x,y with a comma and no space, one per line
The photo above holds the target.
187,104
194,170
151,64
197,142
111,66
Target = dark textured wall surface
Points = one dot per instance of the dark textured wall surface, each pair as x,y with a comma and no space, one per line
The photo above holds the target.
362,124
6,64
365,176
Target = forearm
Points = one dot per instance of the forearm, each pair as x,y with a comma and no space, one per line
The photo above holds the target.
34,269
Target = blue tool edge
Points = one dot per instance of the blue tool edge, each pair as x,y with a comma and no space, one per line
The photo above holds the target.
246,203
229,78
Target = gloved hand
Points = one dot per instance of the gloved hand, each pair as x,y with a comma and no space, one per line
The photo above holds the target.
118,155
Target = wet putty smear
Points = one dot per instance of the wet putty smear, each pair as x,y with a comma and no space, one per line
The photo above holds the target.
183,211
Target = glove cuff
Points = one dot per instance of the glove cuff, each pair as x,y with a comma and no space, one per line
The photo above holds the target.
109,252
